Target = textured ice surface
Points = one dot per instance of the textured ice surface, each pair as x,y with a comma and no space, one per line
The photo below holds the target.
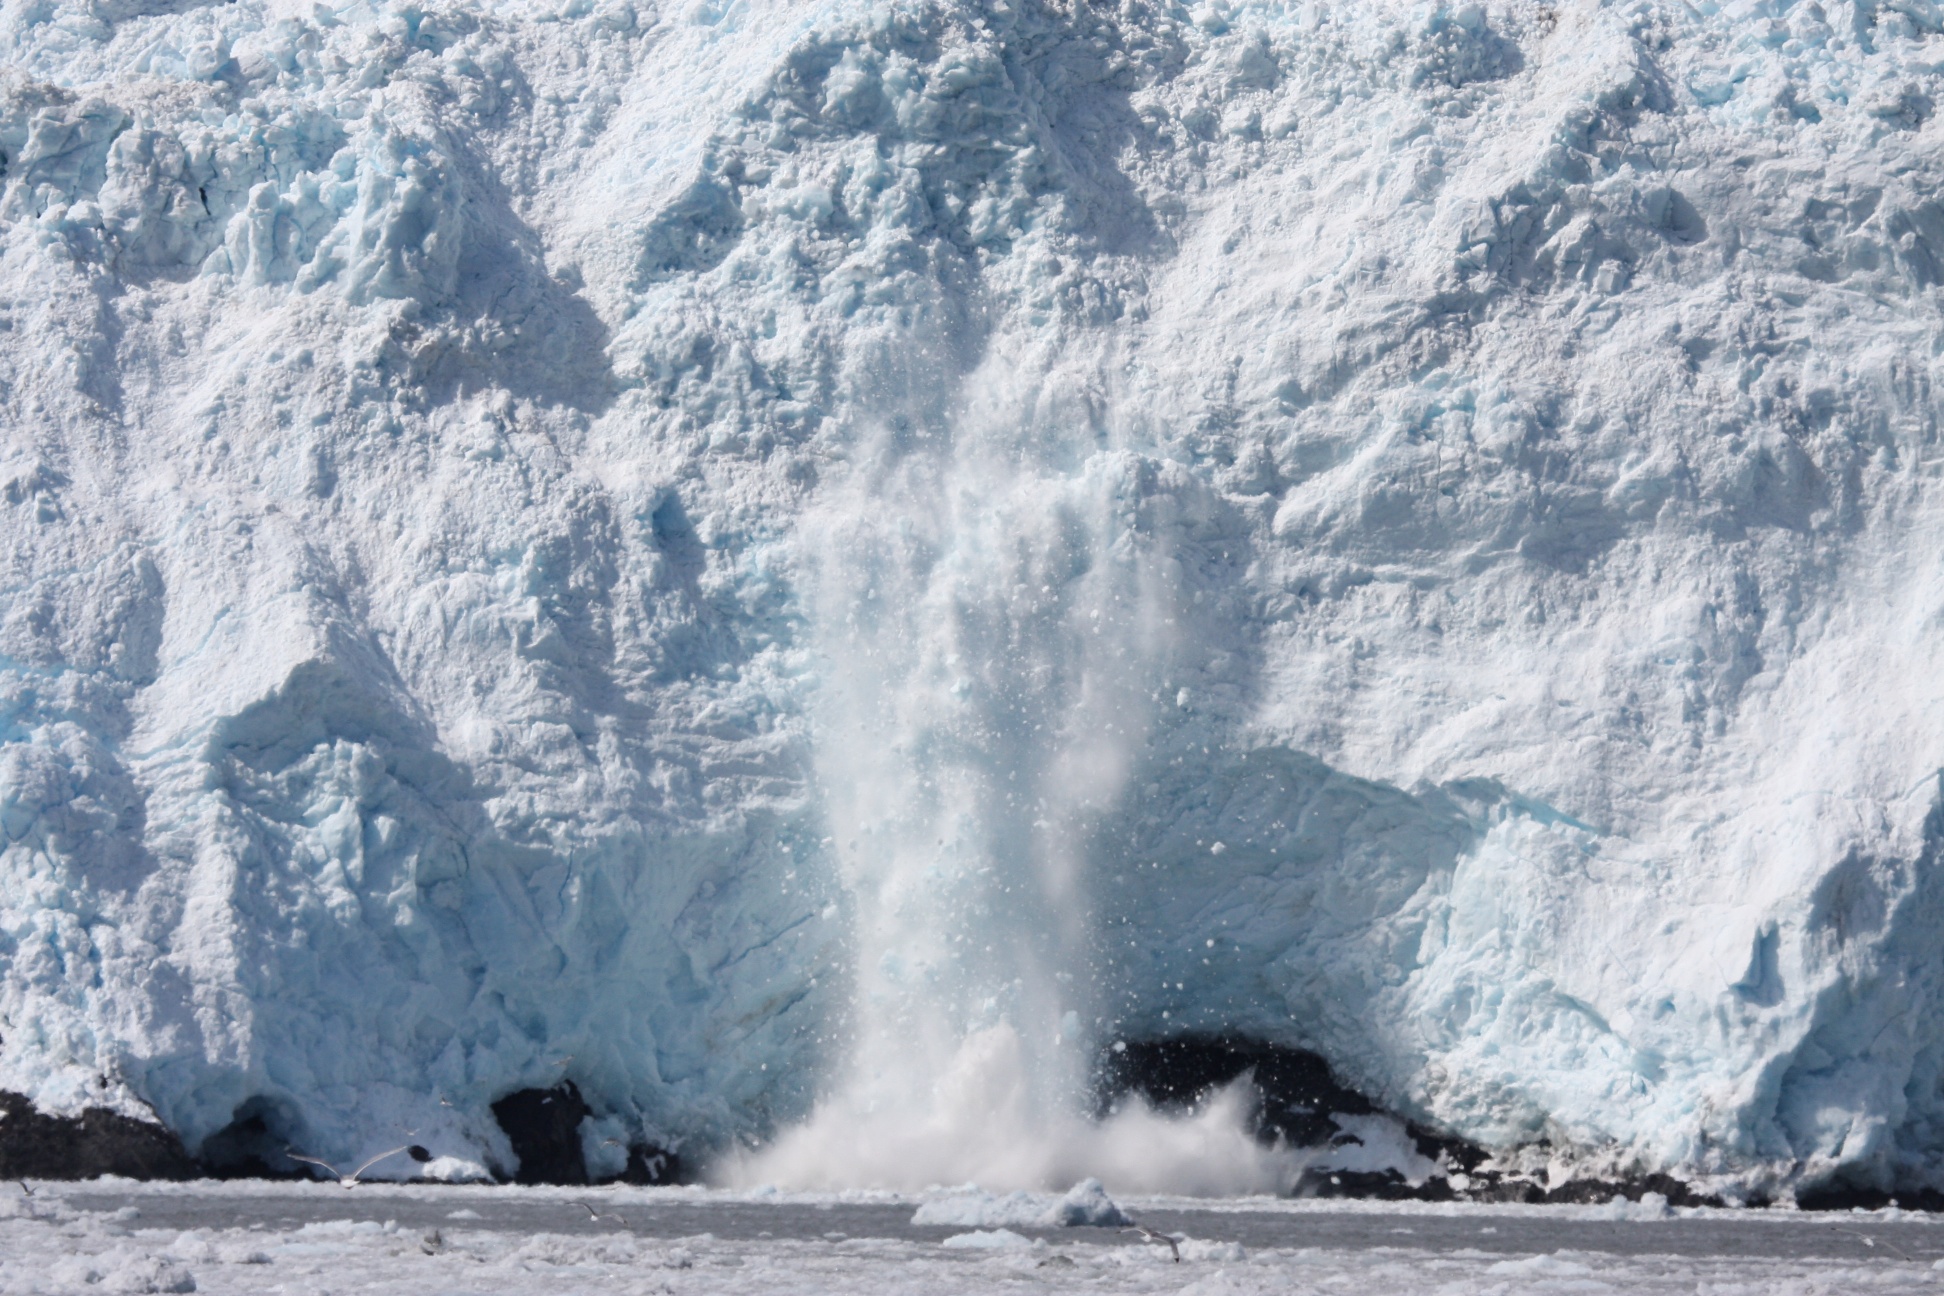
971,1206
1085,1204
987,1240
662,545
56,1247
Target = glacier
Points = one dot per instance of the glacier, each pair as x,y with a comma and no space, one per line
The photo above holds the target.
807,567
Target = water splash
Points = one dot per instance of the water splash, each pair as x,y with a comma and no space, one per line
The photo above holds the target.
978,1121
997,605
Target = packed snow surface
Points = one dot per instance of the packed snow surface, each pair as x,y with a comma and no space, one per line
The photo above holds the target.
807,567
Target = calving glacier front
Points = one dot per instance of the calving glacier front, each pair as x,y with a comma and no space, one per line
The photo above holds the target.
821,564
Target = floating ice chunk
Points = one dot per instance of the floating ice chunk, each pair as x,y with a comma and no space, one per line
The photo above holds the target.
1540,1266
1215,1284
124,1272
452,1169
1087,1204
984,1240
1651,1206
972,1208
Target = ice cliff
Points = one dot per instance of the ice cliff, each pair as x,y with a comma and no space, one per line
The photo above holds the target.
658,546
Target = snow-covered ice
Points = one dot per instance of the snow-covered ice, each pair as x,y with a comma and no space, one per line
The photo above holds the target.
806,566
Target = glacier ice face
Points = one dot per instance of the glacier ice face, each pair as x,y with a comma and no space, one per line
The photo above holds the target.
678,548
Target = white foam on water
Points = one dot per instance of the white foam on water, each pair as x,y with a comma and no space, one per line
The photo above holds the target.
975,1125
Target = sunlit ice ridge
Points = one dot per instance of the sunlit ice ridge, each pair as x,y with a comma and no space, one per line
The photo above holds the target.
871,594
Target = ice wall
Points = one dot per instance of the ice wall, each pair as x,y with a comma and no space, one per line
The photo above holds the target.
522,522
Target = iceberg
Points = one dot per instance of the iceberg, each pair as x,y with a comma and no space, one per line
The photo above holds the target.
1085,1205
805,569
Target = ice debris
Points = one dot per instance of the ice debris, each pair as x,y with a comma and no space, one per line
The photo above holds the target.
1086,1204
988,1240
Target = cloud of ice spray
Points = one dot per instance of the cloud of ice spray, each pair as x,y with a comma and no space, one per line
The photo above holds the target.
995,605
980,1122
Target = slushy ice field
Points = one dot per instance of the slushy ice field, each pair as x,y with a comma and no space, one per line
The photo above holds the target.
791,593
121,1237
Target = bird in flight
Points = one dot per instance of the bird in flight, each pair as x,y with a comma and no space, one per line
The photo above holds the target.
348,1180
597,1216
1172,1241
